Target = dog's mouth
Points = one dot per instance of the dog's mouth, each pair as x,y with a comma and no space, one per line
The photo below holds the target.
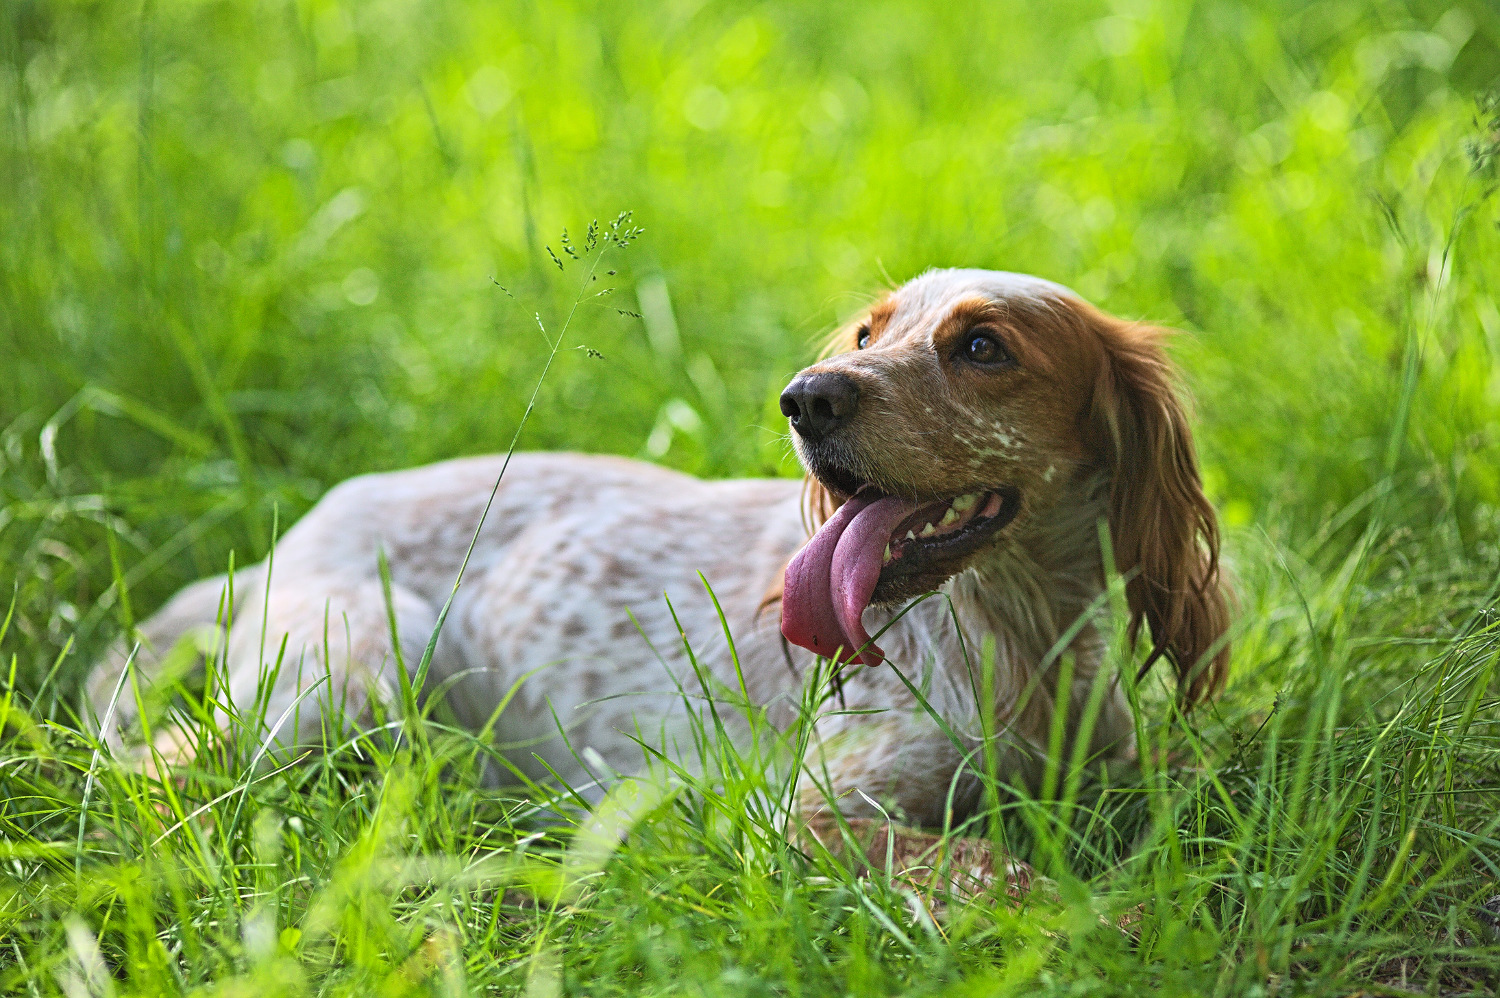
932,541
881,549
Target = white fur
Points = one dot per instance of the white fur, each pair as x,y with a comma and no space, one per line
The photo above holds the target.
574,545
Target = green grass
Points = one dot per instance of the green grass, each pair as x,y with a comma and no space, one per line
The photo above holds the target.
247,250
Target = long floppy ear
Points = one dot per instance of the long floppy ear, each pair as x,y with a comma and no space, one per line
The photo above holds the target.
1165,535
818,504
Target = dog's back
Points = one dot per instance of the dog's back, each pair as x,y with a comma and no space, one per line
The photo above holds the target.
974,434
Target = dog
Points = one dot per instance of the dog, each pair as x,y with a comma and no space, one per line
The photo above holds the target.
985,436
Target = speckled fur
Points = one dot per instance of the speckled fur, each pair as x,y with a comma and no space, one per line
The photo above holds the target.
575,545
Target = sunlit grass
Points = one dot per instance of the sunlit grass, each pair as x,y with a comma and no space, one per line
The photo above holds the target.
251,250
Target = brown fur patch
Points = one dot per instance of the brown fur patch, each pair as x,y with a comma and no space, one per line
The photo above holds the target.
1086,391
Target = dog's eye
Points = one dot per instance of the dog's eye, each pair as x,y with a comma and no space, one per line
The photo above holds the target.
862,338
982,348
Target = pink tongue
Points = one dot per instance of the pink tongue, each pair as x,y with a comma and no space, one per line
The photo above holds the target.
829,583
807,616
856,568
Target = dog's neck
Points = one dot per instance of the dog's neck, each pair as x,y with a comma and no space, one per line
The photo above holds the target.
1045,572
1033,594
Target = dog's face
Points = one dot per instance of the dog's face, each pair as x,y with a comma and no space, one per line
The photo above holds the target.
960,380
982,399
961,385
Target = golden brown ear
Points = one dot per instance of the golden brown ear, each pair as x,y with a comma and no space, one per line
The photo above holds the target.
1165,535
818,504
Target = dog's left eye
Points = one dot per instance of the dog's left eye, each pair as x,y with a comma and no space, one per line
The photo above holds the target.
982,348
862,338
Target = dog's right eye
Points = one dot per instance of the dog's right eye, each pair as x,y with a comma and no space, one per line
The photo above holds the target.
983,348
862,338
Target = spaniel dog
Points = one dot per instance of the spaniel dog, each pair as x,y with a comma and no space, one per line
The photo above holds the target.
988,437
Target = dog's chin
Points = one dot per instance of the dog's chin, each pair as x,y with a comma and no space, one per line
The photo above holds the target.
924,552
832,475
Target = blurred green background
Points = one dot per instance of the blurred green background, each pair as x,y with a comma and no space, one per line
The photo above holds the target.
250,249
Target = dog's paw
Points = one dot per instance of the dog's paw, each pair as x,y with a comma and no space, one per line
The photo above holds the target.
947,868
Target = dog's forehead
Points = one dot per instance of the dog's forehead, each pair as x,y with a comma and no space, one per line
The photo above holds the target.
927,298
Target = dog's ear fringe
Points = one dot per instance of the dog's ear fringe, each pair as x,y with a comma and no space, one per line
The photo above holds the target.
1164,529
842,339
818,504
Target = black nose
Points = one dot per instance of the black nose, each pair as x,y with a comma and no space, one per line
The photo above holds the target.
817,404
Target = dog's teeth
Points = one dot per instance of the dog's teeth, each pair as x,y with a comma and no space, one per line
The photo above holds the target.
885,559
964,502
910,536
928,531
949,516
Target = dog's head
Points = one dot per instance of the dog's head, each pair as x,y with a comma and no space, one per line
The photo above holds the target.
967,402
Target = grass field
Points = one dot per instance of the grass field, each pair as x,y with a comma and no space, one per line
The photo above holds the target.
250,249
